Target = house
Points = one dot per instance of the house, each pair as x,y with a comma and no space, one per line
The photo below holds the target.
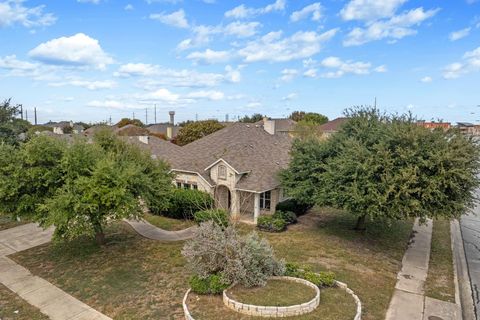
333,126
131,130
163,129
277,126
65,127
468,128
434,125
238,165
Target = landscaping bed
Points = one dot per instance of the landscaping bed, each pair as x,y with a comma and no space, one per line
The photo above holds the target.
440,282
12,307
335,304
7,222
132,277
274,293
169,224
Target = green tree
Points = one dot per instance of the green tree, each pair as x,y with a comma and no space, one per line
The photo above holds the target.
297,115
251,119
11,128
315,118
81,187
386,167
196,130
126,121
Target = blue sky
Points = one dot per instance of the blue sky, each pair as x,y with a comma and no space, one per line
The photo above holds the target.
90,60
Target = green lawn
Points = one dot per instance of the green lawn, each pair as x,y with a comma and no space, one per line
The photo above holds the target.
136,278
275,293
12,307
440,282
168,223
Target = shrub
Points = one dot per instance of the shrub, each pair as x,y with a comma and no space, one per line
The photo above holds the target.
294,206
212,284
185,202
245,260
271,224
293,270
288,216
321,279
218,216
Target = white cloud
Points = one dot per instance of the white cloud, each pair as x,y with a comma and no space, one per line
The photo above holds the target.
310,73
90,85
112,104
459,34
209,56
77,50
243,12
254,104
175,19
273,48
14,12
470,63
339,67
128,7
381,69
36,71
395,28
314,9
289,97
288,74
209,95
154,76
426,79
202,34
89,1
369,10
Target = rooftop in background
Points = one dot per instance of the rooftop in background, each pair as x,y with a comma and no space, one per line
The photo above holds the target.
333,126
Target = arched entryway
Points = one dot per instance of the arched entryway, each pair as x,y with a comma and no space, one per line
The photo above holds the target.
223,197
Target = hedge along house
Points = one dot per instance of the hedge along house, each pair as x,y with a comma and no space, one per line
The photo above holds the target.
237,165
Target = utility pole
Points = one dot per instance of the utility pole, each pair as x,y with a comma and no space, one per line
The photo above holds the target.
21,111
375,102
26,115
110,120
35,112
155,113
146,116
133,115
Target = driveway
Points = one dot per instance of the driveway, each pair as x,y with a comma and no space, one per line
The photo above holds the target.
470,226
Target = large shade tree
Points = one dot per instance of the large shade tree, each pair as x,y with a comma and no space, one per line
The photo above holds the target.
80,187
382,166
11,127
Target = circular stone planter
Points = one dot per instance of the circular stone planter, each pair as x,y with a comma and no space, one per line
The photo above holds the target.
275,312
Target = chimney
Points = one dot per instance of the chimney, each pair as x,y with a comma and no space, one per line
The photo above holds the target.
269,125
170,125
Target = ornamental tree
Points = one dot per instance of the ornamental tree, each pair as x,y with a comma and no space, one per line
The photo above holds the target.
81,187
382,166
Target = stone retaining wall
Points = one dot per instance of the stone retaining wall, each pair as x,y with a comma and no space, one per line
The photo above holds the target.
275,312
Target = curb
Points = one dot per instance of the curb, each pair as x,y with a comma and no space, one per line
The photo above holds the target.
461,273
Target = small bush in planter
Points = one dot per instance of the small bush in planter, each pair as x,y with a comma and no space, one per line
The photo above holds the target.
321,279
288,216
271,224
213,284
218,216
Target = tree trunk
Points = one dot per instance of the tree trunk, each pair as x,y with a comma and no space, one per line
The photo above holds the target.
361,223
99,235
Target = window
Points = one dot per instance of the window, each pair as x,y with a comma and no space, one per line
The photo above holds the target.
265,200
195,187
186,186
222,172
179,185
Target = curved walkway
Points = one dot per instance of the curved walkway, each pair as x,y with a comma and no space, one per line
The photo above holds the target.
150,231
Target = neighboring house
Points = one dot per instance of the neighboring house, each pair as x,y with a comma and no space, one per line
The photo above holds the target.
131,130
96,128
277,126
65,127
467,127
163,128
238,165
434,125
333,126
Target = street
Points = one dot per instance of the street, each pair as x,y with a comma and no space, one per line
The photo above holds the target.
470,226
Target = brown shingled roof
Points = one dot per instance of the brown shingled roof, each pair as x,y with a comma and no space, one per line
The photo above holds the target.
334,125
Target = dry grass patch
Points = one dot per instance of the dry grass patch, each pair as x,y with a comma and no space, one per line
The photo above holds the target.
276,293
169,224
440,283
12,307
335,304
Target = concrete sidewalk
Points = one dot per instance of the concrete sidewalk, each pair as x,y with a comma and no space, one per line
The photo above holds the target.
53,302
408,301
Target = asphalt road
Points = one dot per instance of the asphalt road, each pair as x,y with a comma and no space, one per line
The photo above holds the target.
470,226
